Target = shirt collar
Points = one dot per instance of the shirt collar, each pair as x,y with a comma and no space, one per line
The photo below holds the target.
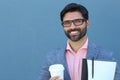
85,46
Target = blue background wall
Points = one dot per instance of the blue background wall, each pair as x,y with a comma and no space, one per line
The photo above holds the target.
30,28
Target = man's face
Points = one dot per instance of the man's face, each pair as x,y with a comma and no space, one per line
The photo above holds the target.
75,26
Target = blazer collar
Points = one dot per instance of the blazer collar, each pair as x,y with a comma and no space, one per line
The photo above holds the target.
64,62
92,51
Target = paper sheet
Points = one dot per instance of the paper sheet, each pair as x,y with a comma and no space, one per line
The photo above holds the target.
103,70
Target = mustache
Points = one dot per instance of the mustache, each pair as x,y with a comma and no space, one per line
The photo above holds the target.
75,29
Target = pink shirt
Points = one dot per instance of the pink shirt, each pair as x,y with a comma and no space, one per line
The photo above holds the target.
74,60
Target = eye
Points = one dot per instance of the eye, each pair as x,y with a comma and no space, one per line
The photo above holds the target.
66,23
78,21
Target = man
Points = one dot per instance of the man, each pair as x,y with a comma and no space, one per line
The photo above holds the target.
75,22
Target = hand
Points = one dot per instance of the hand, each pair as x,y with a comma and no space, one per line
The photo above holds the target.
55,78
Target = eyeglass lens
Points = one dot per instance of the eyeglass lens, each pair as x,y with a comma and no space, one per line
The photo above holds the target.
76,22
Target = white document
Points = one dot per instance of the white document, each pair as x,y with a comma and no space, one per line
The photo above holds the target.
103,70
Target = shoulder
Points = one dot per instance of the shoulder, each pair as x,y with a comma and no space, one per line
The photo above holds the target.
100,52
56,51
56,54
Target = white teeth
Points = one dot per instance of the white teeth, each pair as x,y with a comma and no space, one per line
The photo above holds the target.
74,32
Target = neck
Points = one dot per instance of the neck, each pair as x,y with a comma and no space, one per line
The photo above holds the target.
76,45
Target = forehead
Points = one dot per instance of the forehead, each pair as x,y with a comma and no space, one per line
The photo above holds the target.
72,15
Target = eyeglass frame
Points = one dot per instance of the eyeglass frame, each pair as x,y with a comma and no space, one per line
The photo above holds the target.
73,21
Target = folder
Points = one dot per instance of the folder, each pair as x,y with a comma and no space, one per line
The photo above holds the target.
98,70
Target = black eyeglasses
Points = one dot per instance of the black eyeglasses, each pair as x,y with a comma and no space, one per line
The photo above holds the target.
76,22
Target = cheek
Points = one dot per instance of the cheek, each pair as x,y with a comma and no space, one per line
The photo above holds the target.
65,29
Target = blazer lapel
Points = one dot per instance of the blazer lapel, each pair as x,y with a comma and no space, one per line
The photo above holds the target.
92,51
63,60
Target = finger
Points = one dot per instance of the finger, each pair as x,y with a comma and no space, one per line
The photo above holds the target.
54,78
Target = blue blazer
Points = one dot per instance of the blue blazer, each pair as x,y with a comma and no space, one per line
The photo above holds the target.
57,56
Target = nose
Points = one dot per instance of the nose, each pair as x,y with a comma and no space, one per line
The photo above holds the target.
72,25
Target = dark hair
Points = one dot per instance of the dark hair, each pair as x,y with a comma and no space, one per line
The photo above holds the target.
74,7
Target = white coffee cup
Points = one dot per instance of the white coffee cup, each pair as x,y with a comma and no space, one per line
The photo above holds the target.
57,70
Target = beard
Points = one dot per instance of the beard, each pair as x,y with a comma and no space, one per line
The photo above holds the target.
80,35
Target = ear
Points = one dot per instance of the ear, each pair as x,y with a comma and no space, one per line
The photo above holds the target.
88,23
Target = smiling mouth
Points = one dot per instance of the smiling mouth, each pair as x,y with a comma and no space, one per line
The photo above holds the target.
74,33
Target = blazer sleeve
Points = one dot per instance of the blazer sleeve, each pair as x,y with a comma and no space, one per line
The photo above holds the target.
117,73
44,72
51,58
